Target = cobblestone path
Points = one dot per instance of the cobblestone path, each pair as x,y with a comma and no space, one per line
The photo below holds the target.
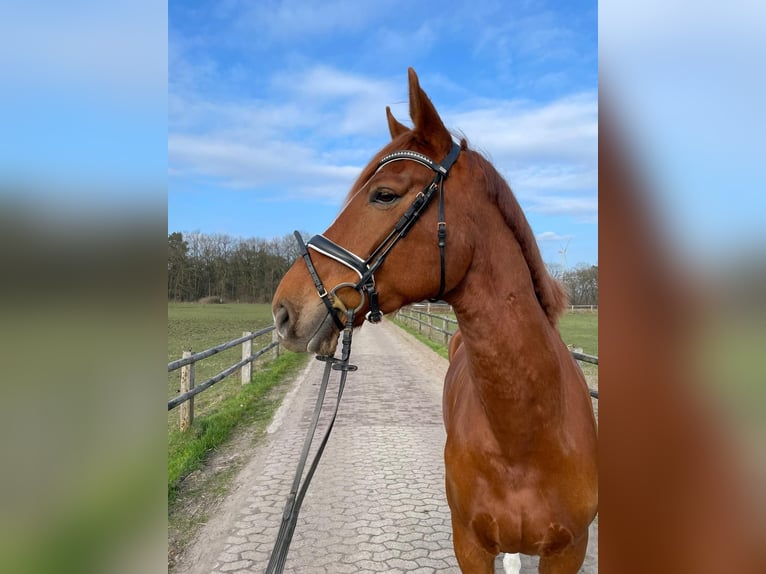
377,501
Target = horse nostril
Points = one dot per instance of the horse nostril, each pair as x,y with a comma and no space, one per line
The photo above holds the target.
282,320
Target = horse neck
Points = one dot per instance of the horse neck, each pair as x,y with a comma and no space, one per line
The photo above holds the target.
512,348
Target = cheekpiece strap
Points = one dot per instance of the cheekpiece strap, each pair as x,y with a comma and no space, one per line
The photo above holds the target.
323,294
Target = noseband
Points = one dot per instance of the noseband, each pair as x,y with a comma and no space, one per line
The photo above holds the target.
366,268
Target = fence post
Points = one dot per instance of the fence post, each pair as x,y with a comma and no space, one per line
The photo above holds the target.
275,339
186,413
430,325
247,350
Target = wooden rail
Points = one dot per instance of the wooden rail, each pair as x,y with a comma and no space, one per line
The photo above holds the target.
425,322
189,388
428,322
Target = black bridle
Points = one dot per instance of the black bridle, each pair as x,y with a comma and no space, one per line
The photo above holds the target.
366,268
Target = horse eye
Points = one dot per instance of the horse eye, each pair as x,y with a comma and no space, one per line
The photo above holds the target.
384,197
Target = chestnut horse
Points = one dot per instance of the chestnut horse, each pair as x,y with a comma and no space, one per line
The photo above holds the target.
520,456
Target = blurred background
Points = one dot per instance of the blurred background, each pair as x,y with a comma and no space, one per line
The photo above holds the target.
83,225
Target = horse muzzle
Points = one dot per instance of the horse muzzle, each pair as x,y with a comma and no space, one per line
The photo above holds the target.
309,329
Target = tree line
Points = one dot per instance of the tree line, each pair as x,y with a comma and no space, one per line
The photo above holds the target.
580,283
248,270
229,269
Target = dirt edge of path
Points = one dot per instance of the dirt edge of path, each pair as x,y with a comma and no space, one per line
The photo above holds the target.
203,492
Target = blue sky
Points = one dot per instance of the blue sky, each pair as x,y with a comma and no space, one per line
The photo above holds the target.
274,107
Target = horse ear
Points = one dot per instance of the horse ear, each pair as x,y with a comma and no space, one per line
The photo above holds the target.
394,126
425,118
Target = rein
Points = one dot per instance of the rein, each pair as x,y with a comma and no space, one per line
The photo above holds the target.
298,491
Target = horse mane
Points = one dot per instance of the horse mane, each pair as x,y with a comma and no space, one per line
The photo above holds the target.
550,293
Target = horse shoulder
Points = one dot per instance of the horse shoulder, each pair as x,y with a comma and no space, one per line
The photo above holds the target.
455,342
455,379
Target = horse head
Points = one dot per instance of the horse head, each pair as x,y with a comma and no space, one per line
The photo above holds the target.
387,190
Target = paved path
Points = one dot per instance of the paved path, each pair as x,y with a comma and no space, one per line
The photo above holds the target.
377,501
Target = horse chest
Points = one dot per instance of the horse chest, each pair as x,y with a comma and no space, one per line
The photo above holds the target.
494,487
507,507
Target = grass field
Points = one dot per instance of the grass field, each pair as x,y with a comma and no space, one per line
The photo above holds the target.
228,403
199,327
580,329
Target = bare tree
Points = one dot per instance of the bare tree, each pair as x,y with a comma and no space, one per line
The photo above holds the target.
555,270
177,266
581,284
234,269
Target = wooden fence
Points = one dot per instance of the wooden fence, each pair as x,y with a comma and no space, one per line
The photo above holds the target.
429,323
186,363
419,317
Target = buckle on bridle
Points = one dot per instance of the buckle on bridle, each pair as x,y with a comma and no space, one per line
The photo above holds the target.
374,315
441,232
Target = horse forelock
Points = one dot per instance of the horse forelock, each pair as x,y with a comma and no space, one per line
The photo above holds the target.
550,292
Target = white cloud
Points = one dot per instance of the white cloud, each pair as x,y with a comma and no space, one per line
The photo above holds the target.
323,124
312,140
250,120
513,130
547,152
240,165
349,104
323,81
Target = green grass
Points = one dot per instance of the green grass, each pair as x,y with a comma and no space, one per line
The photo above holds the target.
199,327
436,346
580,329
228,403
254,404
